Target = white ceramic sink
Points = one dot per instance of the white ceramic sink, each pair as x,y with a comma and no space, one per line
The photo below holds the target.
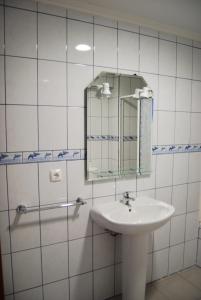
144,215
134,221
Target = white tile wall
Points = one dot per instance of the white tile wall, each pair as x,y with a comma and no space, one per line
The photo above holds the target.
21,81
51,37
20,32
56,252
52,83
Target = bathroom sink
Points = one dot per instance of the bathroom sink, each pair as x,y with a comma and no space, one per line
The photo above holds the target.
142,215
134,220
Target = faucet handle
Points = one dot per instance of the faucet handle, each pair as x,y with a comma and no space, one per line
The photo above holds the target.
129,195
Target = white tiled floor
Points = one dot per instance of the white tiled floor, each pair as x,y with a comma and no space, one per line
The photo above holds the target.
185,285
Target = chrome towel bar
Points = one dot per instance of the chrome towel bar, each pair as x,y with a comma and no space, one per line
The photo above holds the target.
23,209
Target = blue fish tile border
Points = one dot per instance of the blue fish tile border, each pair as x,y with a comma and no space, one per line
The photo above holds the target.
80,154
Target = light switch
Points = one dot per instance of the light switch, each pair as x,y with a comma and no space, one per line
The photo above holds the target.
55,175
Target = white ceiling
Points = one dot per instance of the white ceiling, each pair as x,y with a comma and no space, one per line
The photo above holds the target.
181,17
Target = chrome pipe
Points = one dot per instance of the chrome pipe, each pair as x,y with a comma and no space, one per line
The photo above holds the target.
23,209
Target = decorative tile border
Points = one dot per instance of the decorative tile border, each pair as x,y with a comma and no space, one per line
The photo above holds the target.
171,149
77,154
110,138
40,156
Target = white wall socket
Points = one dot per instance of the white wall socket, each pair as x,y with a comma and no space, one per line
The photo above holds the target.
55,175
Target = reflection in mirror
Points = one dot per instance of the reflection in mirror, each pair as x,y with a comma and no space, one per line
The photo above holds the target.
114,121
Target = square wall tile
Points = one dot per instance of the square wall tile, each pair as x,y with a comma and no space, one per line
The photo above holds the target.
179,199
52,9
177,229
105,41
52,128
148,54
182,128
79,77
183,94
52,83
57,290
7,274
162,237
55,262
75,128
4,232
103,250
1,30
21,81
194,167
52,192
80,36
3,189
160,264
125,184
25,231
180,171
192,225
51,37
2,80
166,123
193,196
22,128
195,132
196,102
32,294
190,251
104,283
53,226
164,194
176,258
23,185
167,58
77,185
196,63
78,15
166,93
128,50
103,188
79,222
184,61
2,129
28,265
80,256
81,287
21,32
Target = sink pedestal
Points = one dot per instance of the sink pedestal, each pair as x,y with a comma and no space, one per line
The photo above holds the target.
134,266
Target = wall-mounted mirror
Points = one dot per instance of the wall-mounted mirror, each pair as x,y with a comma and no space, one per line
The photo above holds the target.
118,126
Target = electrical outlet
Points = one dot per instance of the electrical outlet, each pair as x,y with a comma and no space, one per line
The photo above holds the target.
55,175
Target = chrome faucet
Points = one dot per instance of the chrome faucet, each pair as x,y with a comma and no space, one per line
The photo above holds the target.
127,198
